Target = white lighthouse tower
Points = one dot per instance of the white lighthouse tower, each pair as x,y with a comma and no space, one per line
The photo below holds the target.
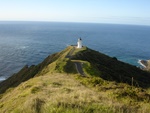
79,43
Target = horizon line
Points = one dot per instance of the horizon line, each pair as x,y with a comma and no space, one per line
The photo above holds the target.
72,22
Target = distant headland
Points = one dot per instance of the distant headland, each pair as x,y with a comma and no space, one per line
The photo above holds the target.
145,64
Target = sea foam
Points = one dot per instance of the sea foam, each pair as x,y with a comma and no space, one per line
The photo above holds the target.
2,78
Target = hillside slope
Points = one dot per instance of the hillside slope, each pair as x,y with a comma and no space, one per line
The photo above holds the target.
111,69
60,93
56,86
29,72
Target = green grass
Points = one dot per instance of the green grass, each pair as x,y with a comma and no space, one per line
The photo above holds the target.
90,70
63,93
55,86
79,50
60,65
109,68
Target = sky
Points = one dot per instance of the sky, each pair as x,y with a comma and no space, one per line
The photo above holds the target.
89,11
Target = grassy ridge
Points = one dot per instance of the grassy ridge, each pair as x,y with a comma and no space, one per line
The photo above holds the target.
54,86
27,73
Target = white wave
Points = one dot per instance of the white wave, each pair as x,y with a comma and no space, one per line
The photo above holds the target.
2,78
23,47
67,45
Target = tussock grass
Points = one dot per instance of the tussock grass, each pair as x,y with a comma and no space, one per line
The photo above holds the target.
63,93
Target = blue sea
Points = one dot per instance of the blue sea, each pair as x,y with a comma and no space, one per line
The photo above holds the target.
29,43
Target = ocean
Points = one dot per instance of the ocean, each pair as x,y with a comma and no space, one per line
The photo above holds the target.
29,43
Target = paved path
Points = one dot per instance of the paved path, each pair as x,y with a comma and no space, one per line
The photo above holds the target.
70,53
77,64
79,68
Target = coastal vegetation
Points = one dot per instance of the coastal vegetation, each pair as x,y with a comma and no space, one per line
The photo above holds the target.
55,86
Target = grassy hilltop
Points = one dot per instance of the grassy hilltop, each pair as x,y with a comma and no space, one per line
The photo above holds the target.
55,86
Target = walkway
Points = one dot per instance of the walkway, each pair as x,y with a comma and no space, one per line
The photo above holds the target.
77,64
70,53
79,68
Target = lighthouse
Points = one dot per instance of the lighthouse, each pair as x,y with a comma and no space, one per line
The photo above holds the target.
79,43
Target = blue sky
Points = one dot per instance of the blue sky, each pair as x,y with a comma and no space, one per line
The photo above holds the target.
95,11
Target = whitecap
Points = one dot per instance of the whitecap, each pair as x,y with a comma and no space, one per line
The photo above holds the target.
2,78
67,45
23,47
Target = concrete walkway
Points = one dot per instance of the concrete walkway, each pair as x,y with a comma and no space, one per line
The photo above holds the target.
79,68
70,53
77,64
